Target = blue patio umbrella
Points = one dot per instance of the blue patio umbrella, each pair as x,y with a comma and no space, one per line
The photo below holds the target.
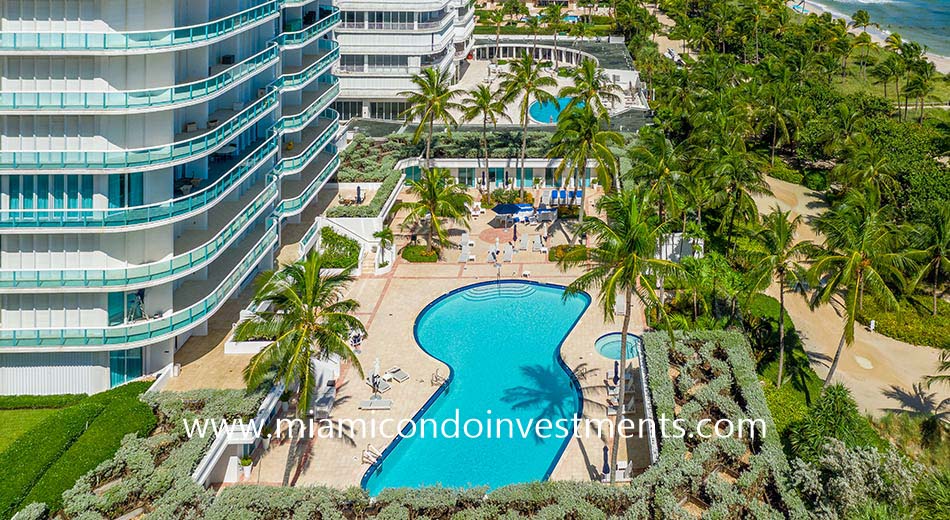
506,209
606,469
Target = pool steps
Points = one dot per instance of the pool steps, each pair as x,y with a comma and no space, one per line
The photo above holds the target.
499,291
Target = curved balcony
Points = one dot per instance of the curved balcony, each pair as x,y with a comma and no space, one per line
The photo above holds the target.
328,19
308,187
143,332
148,215
163,270
314,65
146,158
315,103
312,142
140,41
140,100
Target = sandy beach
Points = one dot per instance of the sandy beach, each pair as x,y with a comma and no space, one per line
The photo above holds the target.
877,35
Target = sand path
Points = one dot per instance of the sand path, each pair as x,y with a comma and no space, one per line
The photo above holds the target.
881,372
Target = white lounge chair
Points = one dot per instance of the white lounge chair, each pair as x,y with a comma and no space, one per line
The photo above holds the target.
523,244
376,404
383,386
398,374
628,407
464,241
509,253
536,243
465,255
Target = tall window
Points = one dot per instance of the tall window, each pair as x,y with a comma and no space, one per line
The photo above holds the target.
44,192
124,365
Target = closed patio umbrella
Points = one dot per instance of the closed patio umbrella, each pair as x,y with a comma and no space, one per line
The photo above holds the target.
606,469
358,195
515,238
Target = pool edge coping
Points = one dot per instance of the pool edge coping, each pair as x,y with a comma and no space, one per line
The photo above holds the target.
575,383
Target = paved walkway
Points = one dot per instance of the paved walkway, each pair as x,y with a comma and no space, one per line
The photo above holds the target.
881,372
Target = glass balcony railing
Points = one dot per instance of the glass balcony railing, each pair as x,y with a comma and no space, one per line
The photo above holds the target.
319,66
153,157
139,215
185,262
139,99
288,207
151,330
296,122
294,164
328,18
137,40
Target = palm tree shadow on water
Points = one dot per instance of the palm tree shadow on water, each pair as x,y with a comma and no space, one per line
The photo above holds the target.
554,400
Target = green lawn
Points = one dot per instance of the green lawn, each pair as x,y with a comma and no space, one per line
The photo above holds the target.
16,422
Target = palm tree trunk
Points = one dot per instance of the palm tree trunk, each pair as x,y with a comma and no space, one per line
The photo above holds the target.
774,137
781,331
936,284
555,50
485,145
834,362
497,42
429,144
621,393
524,144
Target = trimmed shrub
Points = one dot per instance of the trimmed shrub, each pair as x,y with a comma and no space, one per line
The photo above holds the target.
34,402
417,253
35,451
124,414
556,253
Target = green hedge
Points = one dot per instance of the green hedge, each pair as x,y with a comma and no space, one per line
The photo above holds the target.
124,414
33,402
339,252
418,254
912,323
26,460
375,206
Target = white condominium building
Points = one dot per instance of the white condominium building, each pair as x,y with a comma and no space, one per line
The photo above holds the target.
150,151
383,43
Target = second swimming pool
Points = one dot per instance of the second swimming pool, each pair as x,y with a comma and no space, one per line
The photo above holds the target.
502,341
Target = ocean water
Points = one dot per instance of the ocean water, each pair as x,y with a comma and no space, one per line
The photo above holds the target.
502,341
926,22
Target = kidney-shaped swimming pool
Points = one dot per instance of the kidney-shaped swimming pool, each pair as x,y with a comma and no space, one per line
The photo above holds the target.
502,341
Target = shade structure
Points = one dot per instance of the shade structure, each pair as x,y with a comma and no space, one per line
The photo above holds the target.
506,209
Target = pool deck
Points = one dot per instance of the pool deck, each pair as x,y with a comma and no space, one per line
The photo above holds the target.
389,306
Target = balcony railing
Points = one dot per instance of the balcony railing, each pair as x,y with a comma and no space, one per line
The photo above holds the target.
185,262
145,331
300,78
288,207
152,157
145,98
328,18
296,122
292,165
137,40
146,214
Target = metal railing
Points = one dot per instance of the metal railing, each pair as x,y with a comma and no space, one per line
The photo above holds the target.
288,207
143,98
299,78
137,40
328,18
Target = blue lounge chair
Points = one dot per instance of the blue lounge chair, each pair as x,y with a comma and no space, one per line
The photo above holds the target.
578,196
564,197
554,199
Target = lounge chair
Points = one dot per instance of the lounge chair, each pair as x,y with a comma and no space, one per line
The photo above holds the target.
398,374
563,198
508,254
465,255
464,241
578,196
376,404
523,244
554,198
628,408
536,243
383,385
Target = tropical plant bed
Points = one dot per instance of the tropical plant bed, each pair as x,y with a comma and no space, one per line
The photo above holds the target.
418,253
556,253
339,251
913,322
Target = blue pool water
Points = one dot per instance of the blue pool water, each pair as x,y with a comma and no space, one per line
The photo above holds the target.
548,112
502,342
608,345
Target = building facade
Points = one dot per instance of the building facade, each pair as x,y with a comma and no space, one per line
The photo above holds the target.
383,43
150,152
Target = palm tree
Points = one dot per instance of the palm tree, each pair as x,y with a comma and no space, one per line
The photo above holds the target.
582,31
862,249
777,112
526,80
497,18
307,319
657,163
487,105
623,262
583,136
862,20
591,86
883,73
865,164
932,241
778,257
737,172
431,102
438,197
553,18
533,24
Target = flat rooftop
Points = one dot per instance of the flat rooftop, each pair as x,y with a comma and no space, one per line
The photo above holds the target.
610,55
